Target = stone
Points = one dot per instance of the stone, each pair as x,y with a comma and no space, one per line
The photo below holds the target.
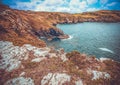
55,79
20,81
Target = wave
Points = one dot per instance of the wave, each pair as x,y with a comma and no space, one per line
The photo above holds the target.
106,49
70,37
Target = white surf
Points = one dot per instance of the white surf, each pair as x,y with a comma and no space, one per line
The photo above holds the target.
107,50
70,37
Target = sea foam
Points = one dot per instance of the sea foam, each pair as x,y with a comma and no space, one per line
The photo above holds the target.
106,49
70,37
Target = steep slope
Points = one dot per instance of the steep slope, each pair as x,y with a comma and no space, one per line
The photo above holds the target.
14,28
22,27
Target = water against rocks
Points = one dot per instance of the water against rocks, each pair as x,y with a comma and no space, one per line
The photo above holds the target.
92,38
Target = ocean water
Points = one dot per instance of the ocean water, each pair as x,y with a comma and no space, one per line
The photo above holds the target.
92,38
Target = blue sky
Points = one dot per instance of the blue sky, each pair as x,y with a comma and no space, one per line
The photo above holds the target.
71,6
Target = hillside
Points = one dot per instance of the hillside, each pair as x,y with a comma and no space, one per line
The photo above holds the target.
23,27
31,65
26,60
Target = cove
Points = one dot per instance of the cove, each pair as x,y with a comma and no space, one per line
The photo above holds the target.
92,38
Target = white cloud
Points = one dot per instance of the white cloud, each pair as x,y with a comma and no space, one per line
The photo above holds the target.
77,6
103,1
72,6
74,3
112,4
52,5
54,2
63,9
82,5
103,4
92,9
43,8
27,5
92,1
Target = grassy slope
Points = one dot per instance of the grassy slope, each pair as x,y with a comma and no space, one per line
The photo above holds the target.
23,27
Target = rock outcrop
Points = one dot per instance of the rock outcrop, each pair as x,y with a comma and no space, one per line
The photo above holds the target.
55,79
31,65
20,81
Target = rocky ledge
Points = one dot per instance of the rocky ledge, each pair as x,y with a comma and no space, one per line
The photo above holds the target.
30,65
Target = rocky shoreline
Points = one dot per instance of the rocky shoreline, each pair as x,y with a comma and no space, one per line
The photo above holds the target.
54,67
25,58
25,27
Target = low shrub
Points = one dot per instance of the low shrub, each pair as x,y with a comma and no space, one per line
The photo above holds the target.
31,65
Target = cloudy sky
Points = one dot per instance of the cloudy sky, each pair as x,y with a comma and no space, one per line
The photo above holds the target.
71,6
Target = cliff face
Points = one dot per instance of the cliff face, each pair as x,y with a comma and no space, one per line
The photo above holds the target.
23,27
98,16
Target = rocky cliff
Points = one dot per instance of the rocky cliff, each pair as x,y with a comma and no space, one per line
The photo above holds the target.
26,60
23,27
98,16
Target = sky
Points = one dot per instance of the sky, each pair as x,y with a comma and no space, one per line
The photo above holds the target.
70,6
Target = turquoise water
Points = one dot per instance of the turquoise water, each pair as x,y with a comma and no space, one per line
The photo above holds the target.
99,39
